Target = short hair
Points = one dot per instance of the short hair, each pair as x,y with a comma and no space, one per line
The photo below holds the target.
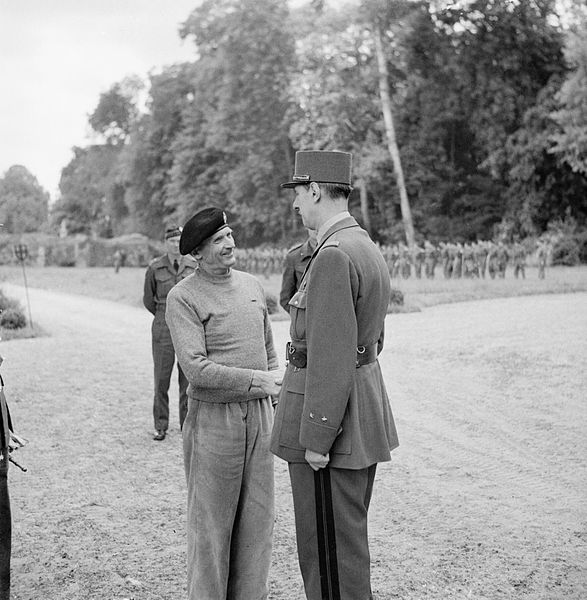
336,190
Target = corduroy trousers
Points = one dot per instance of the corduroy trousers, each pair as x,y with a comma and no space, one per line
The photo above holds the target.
230,507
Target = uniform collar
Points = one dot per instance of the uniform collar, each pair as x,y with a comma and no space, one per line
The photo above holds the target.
327,225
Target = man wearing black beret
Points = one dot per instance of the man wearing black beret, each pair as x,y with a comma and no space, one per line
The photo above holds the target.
333,422
162,274
221,332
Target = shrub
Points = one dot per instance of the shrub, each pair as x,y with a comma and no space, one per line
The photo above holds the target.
6,302
582,243
397,297
565,252
12,318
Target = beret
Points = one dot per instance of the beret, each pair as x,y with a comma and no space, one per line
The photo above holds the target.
321,167
200,227
172,231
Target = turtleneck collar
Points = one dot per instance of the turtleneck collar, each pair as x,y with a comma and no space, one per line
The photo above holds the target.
214,278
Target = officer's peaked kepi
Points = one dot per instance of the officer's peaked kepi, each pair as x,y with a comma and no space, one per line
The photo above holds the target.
200,227
321,167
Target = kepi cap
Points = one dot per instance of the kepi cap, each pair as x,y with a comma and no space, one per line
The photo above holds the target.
200,227
172,231
321,167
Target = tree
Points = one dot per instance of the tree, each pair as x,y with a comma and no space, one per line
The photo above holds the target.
23,202
391,138
88,188
117,110
240,150
571,116
148,159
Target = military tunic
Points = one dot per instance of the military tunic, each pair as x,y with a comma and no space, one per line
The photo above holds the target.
5,513
337,402
160,277
295,264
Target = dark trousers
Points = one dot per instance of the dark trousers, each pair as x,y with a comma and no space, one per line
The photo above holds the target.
163,361
331,530
5,528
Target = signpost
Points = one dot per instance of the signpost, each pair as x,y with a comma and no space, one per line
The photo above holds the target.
21,252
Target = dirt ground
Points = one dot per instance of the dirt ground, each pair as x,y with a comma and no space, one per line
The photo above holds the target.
484,499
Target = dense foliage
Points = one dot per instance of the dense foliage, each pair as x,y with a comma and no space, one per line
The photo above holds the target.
24,204
488,100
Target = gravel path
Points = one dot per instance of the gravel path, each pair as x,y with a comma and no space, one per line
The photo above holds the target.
485,498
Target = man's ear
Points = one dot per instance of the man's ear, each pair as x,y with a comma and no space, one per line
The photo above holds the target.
196,253
316,192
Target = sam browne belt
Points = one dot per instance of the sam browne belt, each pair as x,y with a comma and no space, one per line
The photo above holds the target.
298,357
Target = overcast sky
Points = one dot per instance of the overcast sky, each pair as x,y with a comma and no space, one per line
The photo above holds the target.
58,56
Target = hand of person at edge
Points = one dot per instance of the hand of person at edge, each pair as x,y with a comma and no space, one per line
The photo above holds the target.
315,460
267,382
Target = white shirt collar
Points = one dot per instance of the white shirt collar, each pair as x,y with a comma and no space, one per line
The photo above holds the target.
328,224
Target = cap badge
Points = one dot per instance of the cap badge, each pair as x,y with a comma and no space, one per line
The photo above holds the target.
301,178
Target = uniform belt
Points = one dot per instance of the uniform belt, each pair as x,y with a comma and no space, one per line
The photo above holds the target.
298,356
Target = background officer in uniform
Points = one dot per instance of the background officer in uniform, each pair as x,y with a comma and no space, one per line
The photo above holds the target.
333,422
5,515
162,274
295,264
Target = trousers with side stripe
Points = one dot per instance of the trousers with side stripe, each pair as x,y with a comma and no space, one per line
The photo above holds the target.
331,531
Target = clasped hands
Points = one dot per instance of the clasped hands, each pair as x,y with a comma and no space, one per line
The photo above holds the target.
267,383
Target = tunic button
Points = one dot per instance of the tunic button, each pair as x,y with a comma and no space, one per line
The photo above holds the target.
324,419
311,415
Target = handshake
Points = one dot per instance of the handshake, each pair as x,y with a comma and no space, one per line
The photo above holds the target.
267,383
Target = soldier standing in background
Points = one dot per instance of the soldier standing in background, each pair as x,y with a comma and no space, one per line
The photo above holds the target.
418,260
502,257
519,259
162,274
430,257
542,255
480,252
117,259
295,264
5,515
492,259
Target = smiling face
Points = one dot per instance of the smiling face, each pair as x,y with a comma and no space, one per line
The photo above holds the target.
216,254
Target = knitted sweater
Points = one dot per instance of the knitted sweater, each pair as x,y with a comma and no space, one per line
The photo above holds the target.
221,331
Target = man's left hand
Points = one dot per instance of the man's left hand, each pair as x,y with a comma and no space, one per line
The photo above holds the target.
317,461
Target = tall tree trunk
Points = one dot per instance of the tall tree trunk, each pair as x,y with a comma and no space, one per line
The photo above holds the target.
364,204
391,141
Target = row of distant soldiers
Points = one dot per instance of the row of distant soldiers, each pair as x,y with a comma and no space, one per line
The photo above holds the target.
468,260
454,260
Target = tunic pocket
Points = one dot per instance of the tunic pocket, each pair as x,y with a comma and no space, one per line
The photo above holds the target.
292,405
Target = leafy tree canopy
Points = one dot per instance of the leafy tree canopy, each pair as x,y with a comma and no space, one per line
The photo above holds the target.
23,202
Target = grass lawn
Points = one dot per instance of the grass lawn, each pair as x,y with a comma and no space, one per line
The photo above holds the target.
127,285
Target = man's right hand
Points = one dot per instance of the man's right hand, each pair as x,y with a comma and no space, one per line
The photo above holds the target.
267,382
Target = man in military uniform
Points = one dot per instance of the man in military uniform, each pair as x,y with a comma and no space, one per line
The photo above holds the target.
519,259
542,256
162,274
333,422
5,514
295,263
